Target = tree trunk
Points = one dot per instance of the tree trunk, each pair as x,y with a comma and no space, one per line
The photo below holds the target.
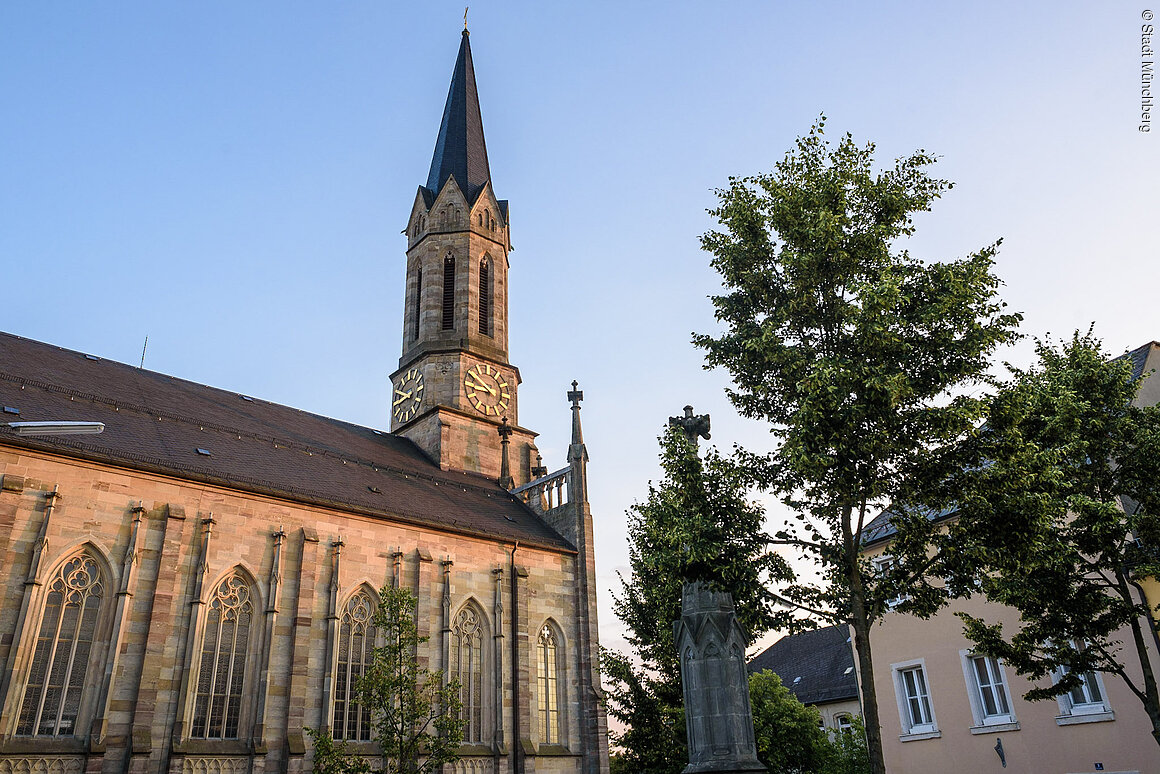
869,694
1151,698
861,624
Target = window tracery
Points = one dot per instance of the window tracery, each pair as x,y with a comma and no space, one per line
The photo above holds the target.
356,642
64,644
467,667
547,686
222,668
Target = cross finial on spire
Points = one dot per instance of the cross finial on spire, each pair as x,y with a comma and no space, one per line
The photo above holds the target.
575,395
465,18
691,426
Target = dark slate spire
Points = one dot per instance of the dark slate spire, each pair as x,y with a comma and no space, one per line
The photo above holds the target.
460,150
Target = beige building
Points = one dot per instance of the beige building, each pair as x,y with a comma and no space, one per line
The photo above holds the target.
189,591
945,708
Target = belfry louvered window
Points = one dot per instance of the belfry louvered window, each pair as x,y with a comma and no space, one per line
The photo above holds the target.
418,301
547,686
485,297
449,293
221,673
60,662
467,667
356,644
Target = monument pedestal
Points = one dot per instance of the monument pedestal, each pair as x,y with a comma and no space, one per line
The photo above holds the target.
715,683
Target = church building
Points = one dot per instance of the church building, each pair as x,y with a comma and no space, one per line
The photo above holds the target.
189,590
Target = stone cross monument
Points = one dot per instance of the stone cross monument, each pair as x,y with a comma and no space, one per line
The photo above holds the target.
714,681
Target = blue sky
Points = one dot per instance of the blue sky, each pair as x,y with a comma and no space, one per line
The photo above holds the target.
230,180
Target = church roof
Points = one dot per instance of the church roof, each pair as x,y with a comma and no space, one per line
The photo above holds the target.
817,666
460,149
162,424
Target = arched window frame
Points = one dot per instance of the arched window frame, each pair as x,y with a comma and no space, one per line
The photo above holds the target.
551,680
470,664
486,296
91,665
235,592
417,301
349,721
448,301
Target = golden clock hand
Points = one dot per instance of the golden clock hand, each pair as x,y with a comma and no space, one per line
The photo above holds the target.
481,386
400,400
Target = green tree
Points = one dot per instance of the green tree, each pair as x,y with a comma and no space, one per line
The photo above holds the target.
416,718
850,755
789,737
697,524
1061,519
860,357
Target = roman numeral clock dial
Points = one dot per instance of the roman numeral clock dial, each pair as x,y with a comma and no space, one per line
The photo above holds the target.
486,390
408,395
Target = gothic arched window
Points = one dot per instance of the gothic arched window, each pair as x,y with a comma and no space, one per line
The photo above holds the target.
60,662
467,638
449,293
221,672
548,685
418,300
356,644
485,296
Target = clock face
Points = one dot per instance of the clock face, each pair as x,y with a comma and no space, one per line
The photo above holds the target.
486,390
408,395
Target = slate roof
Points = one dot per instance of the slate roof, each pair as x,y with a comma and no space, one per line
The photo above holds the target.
459,148
820,658
157,423
1139,357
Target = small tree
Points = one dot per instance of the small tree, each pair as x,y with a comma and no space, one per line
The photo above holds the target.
860,358
696,525
790,739
1062,517
416,718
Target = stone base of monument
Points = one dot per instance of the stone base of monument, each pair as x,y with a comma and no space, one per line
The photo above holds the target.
715,683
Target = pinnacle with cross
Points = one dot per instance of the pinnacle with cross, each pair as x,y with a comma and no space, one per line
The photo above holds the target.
692,426
505,471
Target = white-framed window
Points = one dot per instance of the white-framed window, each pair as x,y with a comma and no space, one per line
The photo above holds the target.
844,722
882,566
1087,702
987,690
915,709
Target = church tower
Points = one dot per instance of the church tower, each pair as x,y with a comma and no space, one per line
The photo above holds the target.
455,393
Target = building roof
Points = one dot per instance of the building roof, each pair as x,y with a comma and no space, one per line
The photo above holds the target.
460,149
817,666
166,425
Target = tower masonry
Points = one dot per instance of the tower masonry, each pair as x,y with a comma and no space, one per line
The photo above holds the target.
455,386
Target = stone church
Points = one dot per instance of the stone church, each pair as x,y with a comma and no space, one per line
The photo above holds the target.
190,590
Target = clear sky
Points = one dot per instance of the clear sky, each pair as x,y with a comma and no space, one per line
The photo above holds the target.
231,180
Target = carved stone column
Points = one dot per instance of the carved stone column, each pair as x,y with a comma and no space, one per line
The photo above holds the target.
718,718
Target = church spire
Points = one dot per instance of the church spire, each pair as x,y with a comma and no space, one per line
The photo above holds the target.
460,150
